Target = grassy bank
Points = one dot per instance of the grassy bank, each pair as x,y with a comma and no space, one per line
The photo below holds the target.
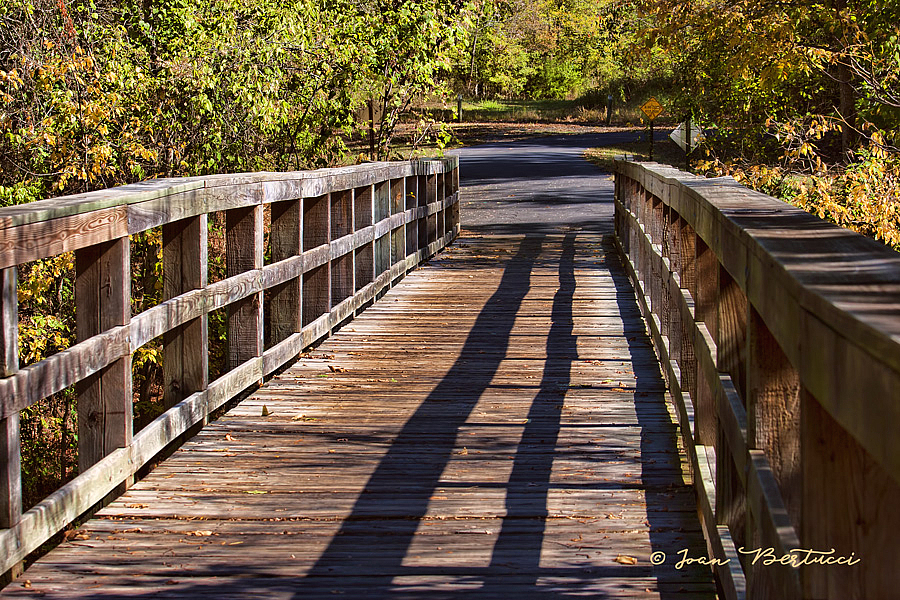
664,151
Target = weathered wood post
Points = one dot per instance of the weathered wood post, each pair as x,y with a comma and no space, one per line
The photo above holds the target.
185,361
285,241
244,252
341,264
316,285
10,446
364,256
103,300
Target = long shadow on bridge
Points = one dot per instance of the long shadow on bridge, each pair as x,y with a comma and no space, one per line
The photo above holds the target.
515,569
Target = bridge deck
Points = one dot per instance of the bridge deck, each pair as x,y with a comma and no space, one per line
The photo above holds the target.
495,425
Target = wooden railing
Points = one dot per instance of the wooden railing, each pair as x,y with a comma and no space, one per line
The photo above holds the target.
779,335
337,239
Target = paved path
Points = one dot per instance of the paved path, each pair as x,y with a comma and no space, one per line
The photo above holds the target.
511,439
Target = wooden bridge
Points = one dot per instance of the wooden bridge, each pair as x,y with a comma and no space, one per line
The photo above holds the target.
533,412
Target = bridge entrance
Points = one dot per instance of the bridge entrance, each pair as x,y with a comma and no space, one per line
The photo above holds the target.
495,426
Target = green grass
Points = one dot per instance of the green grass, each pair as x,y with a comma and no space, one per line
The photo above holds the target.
666,152
586,110
520,110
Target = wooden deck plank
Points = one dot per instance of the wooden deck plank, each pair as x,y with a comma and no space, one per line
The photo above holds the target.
495,426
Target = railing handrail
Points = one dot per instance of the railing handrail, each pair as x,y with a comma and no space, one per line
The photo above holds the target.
864,316
339,237
779,335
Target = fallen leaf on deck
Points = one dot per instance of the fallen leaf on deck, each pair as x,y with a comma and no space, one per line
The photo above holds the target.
626,560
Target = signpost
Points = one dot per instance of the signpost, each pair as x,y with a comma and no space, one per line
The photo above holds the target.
688,137
652,108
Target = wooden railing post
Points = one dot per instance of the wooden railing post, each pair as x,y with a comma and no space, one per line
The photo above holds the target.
731,337
340,251
185,361
342,264
285,239
706,268
103,301
10,447
687,359
364,256
316,285
398,235
773,410
244,252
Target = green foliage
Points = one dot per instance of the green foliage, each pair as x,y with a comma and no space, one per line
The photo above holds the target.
861,197
98,93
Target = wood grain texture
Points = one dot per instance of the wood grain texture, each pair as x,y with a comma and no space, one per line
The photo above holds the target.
184,255
807,325
493,428
33,241
731,337
731,580
285,241
103,298
10,447
773,411
794,269
95,225
243,253
849,504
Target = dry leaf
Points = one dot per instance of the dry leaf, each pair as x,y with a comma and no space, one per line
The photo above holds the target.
256,492
203,533
463,452
136,506
626,560
229,438
265,411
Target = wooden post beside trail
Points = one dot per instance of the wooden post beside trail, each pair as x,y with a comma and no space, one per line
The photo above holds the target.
687,145
652,108
371,129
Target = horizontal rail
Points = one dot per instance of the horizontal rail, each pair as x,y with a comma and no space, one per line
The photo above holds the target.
779,335
338,238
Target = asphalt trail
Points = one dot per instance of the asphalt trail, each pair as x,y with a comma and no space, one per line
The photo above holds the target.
538,185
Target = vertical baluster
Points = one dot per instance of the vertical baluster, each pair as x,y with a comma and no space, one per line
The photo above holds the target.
706,268
731,336
185,357
10,447
773,426
687,360
316,285
244,252
103,301
285,239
